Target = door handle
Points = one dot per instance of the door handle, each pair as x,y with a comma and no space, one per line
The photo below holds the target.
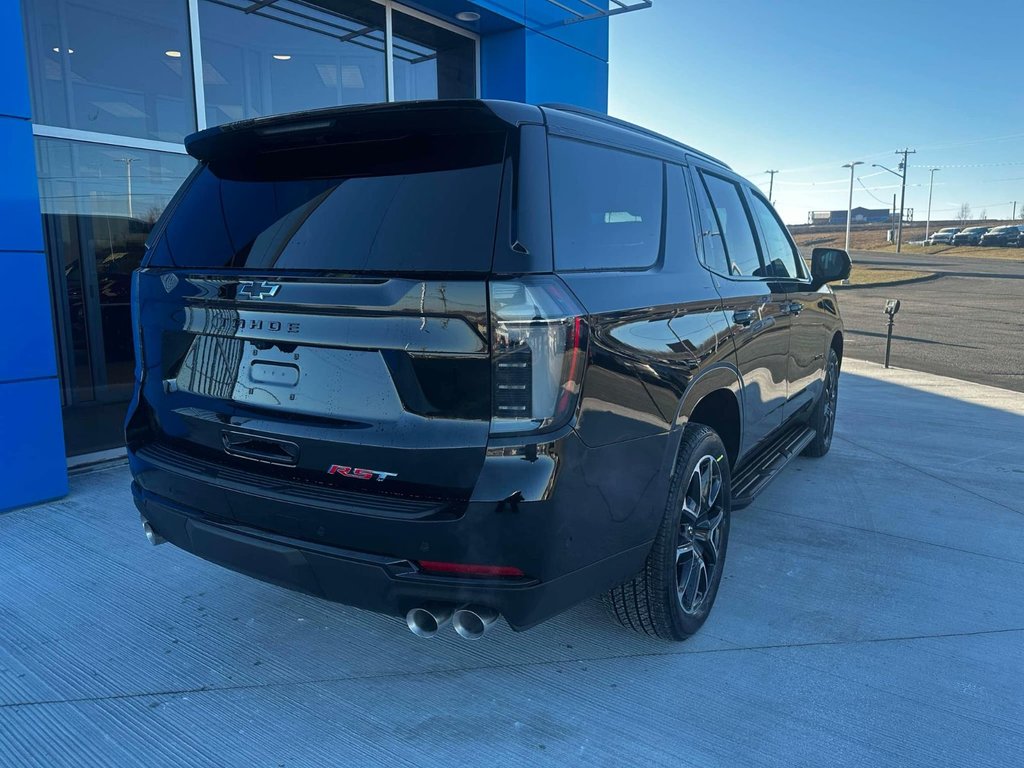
744,317
794,308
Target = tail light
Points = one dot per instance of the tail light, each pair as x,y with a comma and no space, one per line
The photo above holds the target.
538,352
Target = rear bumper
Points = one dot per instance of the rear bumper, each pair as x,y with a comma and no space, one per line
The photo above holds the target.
579,530
372,582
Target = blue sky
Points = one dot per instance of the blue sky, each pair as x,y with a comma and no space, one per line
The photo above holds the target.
805,87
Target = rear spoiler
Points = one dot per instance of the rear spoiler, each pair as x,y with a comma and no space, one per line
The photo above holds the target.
260,134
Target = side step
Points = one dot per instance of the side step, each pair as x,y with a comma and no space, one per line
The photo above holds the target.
767,463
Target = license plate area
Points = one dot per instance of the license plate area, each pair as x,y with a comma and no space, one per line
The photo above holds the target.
318,381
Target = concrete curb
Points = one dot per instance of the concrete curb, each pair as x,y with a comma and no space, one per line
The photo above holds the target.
908,281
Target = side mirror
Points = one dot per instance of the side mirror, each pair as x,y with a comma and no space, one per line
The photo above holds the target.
829,265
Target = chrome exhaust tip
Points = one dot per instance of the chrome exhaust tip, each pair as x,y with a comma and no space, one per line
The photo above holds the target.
427,620
473,621
152,536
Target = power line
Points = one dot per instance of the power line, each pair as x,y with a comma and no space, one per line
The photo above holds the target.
883,202
972,165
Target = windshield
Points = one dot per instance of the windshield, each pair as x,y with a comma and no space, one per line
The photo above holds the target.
423,204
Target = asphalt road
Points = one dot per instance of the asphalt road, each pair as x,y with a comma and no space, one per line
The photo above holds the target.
968,323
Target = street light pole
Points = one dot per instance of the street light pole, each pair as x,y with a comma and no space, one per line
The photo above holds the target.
128,164
771,185
928,221
903,184
849,206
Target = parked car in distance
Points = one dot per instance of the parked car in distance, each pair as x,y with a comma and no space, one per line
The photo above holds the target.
1008,235
943,237
462,360
969,236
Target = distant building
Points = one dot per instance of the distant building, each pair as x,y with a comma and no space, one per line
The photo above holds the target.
859,216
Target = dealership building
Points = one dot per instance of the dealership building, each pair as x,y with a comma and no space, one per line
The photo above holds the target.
97,98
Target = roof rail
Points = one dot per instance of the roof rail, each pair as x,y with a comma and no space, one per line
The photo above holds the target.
602,117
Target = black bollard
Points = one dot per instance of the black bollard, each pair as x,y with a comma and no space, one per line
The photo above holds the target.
892,306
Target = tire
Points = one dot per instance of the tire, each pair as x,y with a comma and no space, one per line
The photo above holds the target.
689,549
823,418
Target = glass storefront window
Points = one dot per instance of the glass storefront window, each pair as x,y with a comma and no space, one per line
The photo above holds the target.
431,62
111,66
290,56
99,203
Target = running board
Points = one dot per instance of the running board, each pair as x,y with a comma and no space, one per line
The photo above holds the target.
762,469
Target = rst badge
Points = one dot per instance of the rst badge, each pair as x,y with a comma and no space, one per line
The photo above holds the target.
251,289
359,473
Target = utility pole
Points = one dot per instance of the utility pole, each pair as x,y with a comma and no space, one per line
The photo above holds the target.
928,221
849,206
1014,217
903,194
902,174
771,185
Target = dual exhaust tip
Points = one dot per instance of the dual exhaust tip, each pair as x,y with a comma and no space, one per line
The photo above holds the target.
470,621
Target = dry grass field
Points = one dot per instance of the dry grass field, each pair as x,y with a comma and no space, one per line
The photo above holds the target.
873,238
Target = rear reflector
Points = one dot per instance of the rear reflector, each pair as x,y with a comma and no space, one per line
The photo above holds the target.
461,569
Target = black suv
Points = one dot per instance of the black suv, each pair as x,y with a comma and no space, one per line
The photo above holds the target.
1006,236
465,359
969,236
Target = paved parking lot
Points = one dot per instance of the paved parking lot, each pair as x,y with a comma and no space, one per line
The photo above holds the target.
967,323
871,614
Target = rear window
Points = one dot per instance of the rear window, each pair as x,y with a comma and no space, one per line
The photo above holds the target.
410,204
606,206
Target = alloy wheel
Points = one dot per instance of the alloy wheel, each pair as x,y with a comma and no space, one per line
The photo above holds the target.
831,395
700,535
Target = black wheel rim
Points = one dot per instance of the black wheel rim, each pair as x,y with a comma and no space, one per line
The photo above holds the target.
831,395
698,551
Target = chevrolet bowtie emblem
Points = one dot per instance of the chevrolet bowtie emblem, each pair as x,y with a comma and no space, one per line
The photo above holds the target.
249,289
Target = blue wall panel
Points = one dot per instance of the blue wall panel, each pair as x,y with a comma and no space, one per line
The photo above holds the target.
20,224
503,65
558,73
32,463
14,79
26,338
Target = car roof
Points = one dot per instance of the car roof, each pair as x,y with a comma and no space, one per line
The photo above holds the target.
306,126
570,120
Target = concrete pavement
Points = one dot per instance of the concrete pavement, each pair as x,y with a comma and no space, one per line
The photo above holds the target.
870,614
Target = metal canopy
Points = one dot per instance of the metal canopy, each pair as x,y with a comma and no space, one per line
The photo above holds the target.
585,10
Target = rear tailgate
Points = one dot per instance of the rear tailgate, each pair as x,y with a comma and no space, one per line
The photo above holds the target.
379,385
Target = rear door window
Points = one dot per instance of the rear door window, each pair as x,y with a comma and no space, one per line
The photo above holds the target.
427,204
735,226
607,207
